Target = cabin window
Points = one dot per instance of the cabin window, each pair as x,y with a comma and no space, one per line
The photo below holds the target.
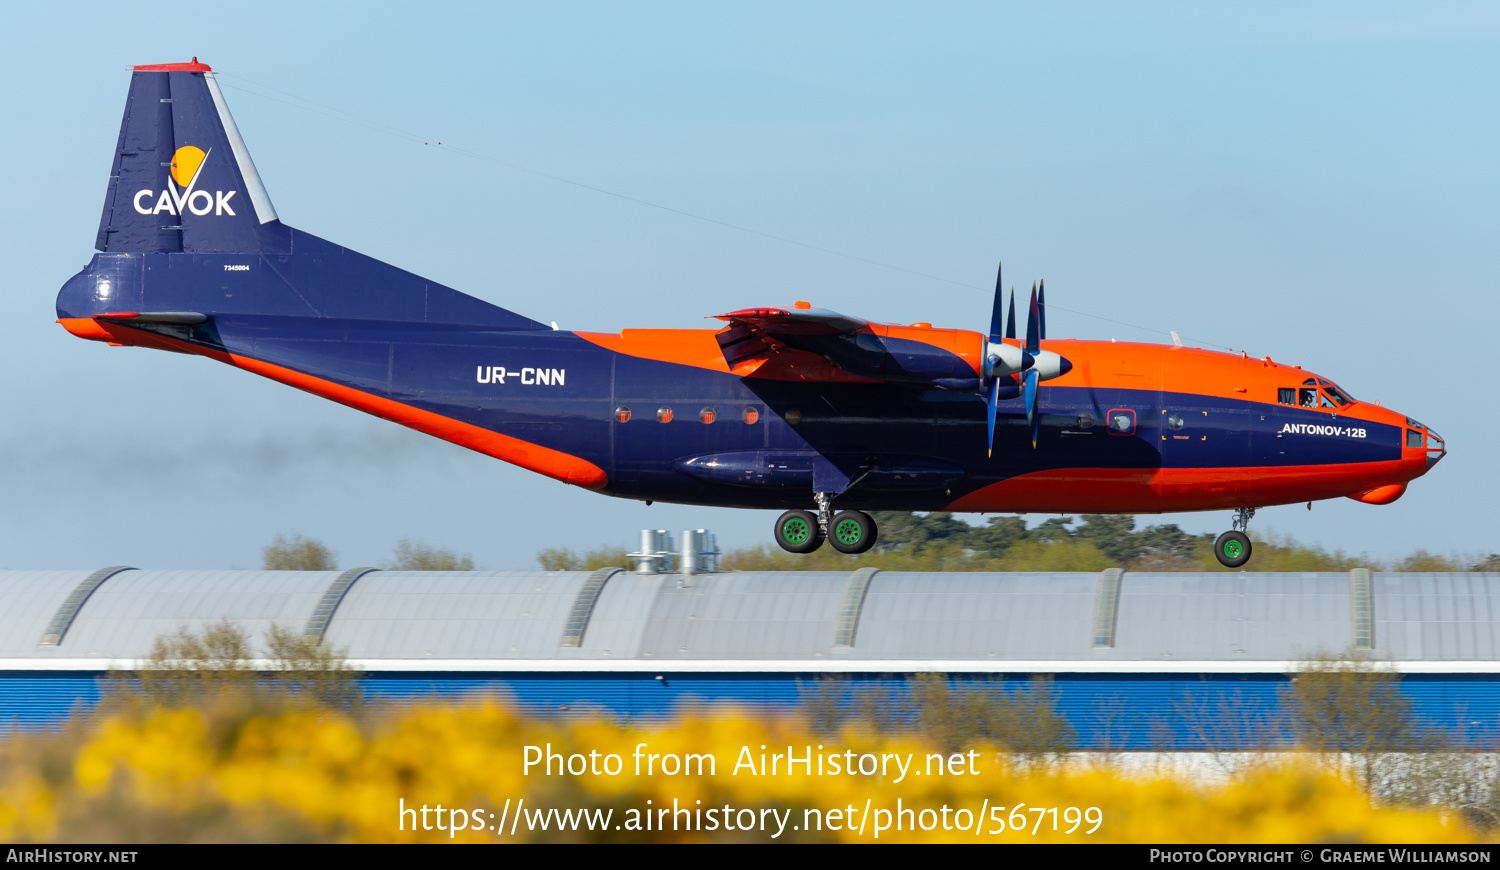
622,414
708,415
1121,421
1286,395
1413,438
750,415
792,416
664,415
1085,420
1175,421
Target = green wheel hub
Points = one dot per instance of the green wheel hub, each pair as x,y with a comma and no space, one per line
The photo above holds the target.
1233,549
796,530
848,532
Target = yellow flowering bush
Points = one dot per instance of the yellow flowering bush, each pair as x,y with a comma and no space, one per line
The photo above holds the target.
237,768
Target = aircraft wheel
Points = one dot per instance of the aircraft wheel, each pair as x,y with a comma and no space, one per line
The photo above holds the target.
853,532
798,532
1232,549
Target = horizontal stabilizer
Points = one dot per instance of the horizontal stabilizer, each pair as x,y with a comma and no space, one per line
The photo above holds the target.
187,317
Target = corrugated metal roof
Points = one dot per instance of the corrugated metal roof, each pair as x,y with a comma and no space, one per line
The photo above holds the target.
479,616
28,601
456,614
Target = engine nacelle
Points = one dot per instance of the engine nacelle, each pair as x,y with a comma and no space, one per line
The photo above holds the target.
1005,359
1049,365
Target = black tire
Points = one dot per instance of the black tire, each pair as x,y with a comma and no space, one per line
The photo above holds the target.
1232,549
852,532
798,532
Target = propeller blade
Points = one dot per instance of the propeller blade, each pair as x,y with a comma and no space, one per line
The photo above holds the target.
997,312
1041,311
1010,326
1032,417
994,401
1033,327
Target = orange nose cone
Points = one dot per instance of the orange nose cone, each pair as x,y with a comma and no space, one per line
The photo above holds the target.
1380,494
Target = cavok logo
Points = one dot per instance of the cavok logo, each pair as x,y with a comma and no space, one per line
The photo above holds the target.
187,162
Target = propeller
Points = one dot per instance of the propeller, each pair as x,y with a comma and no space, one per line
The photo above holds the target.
1033,364
1001,360
1010,328
1034,328
1041,311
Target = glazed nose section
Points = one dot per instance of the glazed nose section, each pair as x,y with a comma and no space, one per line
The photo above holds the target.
1419,437
1436,449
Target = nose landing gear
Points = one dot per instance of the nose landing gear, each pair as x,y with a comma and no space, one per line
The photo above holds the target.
799,531
1232,548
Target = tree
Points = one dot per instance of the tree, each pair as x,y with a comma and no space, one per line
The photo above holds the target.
1351,706
1168,547
1114,536
420,557
999,535
297,554
188,667
952,715
563,559
1424,562
306,668
957,715
902,529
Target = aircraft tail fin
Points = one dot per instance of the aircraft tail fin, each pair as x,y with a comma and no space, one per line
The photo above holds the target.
183,183
182,178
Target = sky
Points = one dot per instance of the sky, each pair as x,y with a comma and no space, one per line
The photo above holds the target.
1317,183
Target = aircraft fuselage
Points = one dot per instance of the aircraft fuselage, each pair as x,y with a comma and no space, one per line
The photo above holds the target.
660,415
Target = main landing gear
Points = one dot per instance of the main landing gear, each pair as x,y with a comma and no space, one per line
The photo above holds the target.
799,531
1232,548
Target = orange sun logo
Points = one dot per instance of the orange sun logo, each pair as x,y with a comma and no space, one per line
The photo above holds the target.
185,163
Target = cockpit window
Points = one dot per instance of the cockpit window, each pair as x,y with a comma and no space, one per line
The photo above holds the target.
1337,394
1414,424
1310,382
1286,395
1326,401
1307,397
1413,438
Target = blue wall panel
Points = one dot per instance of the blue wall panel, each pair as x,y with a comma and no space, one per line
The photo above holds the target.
1125,711
41,700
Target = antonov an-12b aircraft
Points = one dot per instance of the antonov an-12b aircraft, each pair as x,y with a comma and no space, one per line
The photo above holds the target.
822,415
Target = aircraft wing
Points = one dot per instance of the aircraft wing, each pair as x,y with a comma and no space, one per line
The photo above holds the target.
754,331
877,352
